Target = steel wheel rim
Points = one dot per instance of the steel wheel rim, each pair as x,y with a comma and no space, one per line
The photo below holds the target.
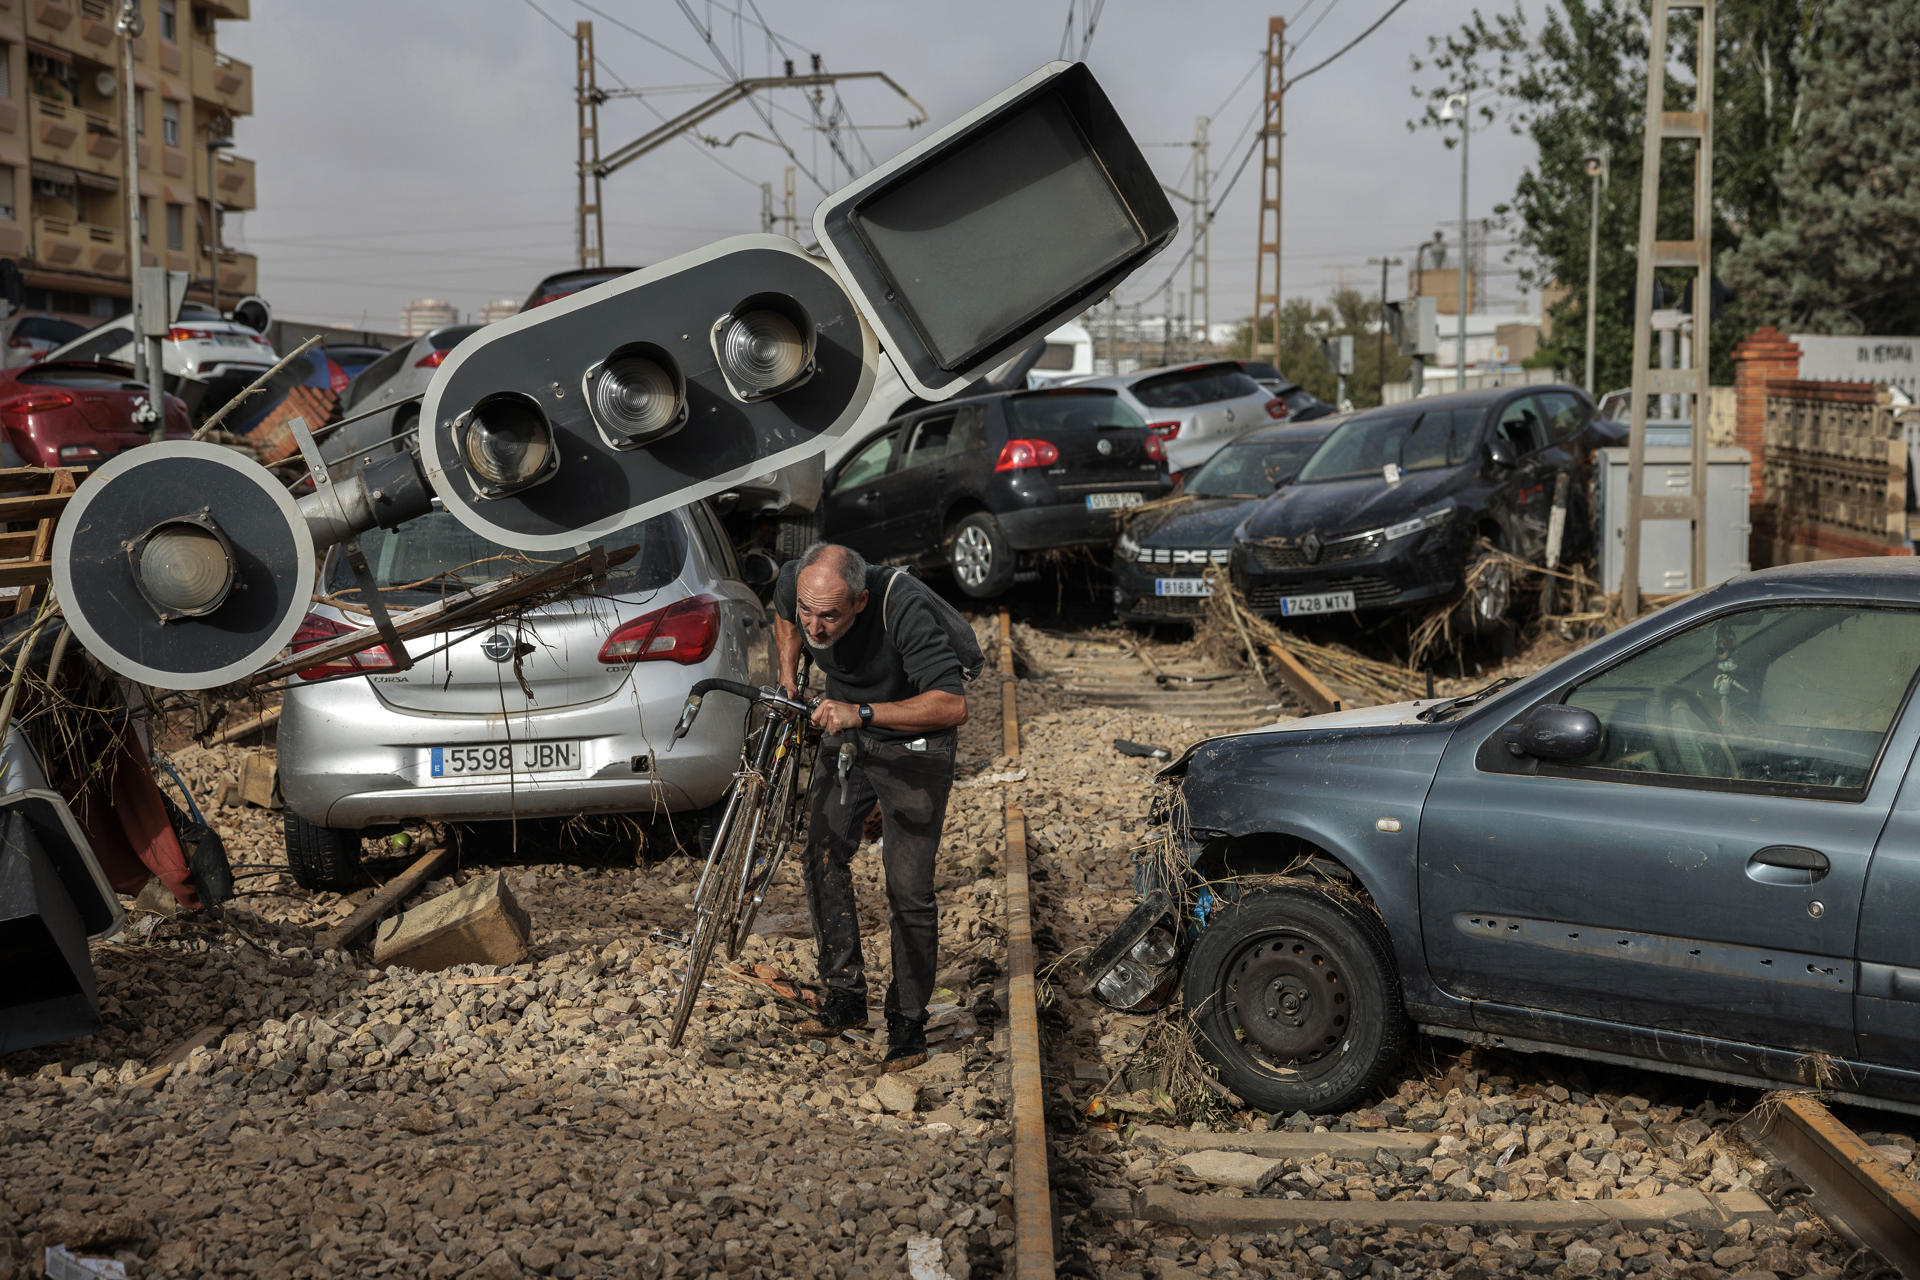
1493,594
972,555
1287,1004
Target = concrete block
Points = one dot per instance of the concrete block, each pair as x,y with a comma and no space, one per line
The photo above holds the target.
260,781
1231,1169
1287,1146
477,923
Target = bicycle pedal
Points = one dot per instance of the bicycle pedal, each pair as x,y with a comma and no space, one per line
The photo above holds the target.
669,938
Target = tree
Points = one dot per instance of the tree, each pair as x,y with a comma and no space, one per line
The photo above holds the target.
1575,83
1844,256
1304,324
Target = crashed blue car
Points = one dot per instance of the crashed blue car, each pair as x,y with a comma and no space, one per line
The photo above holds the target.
1693,845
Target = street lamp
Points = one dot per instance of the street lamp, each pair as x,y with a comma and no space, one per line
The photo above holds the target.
1596,170
216,143
1457,103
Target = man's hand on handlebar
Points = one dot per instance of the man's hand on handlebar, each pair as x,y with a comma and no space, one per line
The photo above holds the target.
836,717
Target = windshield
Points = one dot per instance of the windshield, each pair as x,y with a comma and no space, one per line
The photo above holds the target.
1070,410
1185,388
1252,468
1410,441
435,554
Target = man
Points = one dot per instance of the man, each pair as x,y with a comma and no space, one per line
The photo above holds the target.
893,686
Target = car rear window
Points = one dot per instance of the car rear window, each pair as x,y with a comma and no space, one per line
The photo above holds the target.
1410,441
1261,369
112,377
452,336
1070,411
436,555
1185,388
47,329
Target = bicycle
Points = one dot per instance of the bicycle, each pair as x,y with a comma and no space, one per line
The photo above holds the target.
761,820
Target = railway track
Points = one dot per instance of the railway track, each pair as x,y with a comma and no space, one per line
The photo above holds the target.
1502,1162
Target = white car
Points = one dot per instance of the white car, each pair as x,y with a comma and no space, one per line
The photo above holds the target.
208,358
31,334
1196,408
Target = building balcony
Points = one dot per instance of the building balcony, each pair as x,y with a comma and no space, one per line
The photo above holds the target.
100,151
106,249
54,22
224,81
237,10
60,243
58,131
239,273
233,181
96,23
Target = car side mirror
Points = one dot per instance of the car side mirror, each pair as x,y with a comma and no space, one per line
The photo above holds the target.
1555,732
1500,454
758,569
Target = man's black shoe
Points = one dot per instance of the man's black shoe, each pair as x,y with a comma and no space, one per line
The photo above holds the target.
906,1044
842,1009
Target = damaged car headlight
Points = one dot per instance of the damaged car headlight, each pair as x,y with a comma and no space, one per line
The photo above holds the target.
1137,967
1420,523
1127,547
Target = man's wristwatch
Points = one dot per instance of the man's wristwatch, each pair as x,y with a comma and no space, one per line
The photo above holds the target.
866,715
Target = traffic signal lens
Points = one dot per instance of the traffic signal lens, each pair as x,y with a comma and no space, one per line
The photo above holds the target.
185,569
764,346
637,396
507,442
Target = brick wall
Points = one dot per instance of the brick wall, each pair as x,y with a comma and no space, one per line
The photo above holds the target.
1764,357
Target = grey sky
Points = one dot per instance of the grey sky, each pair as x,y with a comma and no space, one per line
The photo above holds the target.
413,148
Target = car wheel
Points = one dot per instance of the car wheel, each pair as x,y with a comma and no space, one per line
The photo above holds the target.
1293,995
322,857
982,562
794,534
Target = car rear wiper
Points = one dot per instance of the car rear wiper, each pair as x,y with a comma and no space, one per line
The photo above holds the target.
1447,706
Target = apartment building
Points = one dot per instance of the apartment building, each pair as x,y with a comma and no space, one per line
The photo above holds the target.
63,211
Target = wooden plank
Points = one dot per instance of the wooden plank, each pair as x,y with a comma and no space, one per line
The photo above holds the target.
163,1066
1223,1214
38,479
61,484
391,895
17,546
253,724
1032,1194
1294,674
26,573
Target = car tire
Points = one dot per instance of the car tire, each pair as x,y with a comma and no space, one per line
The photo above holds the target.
792,535
322,857
980,558
1337,1026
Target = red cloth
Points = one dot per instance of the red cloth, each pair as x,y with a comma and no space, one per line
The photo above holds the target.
126,822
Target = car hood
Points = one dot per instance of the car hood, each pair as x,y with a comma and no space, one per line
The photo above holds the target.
1337,507
1392,715
1197,522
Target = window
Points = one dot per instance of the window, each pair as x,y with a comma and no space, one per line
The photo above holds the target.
169,20
6,191
1185,388
1796,698
170,123
869,464
1564,412
1368,445
176,226
6,71
1042,411
435,549
1251,468
1444,438
932,440
1521,427
106,342
139,113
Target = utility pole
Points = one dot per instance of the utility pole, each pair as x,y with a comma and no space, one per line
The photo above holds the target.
129,24
791,217
1695,255
1199,271
1380,357
766,208
1270,135
590,227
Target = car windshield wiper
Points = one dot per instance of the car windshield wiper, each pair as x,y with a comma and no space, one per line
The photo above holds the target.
1447,706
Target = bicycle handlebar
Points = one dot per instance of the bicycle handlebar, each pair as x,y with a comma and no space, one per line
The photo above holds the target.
764,695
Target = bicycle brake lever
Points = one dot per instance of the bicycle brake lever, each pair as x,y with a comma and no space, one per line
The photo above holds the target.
687,713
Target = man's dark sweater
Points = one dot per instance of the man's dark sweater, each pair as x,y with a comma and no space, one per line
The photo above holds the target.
895,649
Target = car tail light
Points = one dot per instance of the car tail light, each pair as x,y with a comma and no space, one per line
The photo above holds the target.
1165,430
1276,408
180,333
1155,448
683,632
19,343
337,378
315,629
77,454
40,402
259,341
543,300
431,360
1018,455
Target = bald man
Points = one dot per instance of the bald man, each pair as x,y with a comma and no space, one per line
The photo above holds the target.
893,686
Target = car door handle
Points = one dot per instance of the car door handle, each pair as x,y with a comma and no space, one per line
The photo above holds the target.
1788,864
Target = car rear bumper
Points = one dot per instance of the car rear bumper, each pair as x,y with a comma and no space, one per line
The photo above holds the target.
1064,524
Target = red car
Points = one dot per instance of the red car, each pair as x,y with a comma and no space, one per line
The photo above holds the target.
73,413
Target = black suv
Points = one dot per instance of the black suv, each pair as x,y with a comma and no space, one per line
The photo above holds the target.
1388,512
969,486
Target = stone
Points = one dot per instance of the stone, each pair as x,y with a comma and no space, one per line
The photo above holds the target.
896,1095
478,923
260,780
1231,1168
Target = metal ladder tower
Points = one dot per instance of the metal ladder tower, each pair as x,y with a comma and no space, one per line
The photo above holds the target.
1270,136
590,227
1199,271
1696,255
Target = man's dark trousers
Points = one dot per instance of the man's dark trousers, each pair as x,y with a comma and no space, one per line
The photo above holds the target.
911,788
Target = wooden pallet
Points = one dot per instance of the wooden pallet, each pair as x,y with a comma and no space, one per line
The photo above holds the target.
30,496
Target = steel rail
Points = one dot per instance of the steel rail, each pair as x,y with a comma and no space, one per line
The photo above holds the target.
1856,1191
1032,1191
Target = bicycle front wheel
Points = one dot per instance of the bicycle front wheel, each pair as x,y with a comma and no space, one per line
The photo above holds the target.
776,837
715,915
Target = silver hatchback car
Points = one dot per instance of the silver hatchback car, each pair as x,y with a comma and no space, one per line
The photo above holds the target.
566,710
1195,408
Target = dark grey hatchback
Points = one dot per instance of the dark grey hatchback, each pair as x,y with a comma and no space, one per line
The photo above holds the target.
971,486
1690,845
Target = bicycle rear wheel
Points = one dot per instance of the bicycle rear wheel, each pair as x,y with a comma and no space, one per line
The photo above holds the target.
715,914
